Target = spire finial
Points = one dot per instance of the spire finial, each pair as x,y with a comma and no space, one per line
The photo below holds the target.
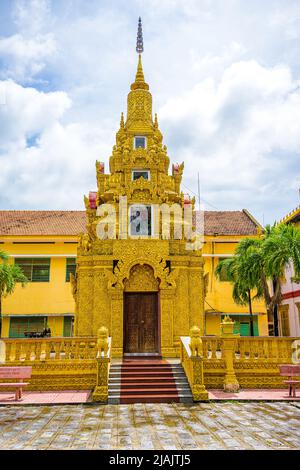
139,39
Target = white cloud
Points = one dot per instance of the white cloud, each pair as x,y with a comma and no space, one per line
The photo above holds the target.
32,16
28,111
287,19
59,166
242,133
223,76
26,57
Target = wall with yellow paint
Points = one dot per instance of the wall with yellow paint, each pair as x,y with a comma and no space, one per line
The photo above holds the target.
51,297
55,297
263,325
48,298
219,293
5,327
212,325
56,325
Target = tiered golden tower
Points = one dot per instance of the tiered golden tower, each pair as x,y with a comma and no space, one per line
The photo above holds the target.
146,287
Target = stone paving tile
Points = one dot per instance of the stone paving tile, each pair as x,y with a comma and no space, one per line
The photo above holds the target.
219,425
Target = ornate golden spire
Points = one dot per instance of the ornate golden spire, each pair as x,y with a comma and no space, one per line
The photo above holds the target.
139,102
139,82
139,39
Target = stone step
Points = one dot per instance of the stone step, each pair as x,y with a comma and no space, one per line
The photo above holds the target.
142,380
150,398
148,381
148,391
145,365
152,373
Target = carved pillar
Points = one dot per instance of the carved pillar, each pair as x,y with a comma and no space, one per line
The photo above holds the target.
100,392
196,293
198,388
102,309
166,321
85,296
181,313
116,328
230,381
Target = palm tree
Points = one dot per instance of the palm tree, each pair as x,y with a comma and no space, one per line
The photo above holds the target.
10,275
232,270
262,262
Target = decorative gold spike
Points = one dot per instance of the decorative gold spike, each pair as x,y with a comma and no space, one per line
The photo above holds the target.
122,121
139,82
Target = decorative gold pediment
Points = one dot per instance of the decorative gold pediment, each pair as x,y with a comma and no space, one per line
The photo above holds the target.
141,279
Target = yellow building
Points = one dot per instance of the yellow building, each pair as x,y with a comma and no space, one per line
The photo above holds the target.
32,236
223,231
134,274
44,243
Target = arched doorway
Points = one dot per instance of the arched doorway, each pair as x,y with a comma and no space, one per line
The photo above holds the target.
141,312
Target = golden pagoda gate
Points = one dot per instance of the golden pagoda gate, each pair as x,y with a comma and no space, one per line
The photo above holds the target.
145,287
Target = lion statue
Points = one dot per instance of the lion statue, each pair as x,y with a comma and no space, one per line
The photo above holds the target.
85,243
102,341
196,342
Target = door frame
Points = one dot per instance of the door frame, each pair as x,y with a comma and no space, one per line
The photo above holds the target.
158,353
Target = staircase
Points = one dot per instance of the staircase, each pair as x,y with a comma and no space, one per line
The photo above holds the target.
148,381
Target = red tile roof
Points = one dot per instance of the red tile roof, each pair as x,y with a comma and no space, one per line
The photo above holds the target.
229,223
42,222
72,223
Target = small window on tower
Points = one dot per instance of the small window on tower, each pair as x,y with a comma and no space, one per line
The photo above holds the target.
139,142
136,174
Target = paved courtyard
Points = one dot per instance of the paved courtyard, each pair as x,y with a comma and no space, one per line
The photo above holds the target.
222,425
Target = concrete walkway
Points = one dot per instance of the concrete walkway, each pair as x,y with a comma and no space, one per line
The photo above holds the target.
222,425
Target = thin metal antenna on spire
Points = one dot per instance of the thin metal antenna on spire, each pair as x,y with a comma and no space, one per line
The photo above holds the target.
139,39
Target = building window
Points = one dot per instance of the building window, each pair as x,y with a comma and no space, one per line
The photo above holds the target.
68,326
242,325
70,268
23,327
35,269
284,320
136,174
139,142
140,223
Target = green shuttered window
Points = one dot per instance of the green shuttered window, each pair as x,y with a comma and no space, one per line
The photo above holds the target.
20,325
35,269
70,268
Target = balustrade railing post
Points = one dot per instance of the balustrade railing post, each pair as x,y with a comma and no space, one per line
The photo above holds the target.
198,388
100,393
231,383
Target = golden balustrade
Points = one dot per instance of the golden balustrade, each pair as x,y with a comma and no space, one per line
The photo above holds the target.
276,350
248,362
193,367
50,349
57,363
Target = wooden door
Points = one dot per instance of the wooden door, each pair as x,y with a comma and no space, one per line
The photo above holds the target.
140,322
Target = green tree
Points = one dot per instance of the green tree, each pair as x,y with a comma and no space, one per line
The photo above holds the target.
232,270
10,275
260,265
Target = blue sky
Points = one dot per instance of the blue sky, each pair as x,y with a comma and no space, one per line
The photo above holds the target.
224,75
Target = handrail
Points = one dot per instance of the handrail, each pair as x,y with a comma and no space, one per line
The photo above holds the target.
104,342
193,367
50,349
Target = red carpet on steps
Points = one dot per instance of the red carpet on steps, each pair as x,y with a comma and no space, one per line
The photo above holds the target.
147,381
